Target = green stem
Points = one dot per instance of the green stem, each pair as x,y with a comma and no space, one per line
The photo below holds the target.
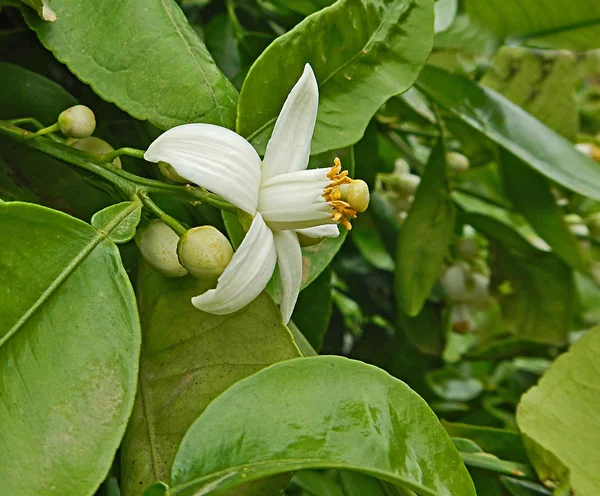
166,218
128,183
35,123
45,130
132,152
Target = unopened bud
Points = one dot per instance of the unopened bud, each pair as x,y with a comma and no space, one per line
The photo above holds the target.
205,252
467,248
401,167
169,172
91,144
457,162
77,122
406,185
454,281
159,248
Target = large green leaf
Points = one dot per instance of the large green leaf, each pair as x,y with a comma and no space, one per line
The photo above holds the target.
513,129
571,24
425,236
560,417
362,51
531,195
141,55
188,358
69,349
313,413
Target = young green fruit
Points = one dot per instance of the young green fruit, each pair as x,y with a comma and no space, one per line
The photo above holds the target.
77,122
204,252
159,248
95,145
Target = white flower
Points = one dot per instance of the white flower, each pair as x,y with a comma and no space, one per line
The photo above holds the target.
283,197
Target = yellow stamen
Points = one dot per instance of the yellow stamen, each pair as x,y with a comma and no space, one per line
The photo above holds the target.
341,209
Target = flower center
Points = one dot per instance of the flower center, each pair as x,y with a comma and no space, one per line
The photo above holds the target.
346,196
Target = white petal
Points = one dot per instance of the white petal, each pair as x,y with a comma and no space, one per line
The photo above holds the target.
213,157
246,275
289,259
295,200
324,231
289,147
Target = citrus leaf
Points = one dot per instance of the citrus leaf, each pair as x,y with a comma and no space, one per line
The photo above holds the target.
425,236
125,231
188,358
362,52
514,130
319,412
141,55
69,350
559,417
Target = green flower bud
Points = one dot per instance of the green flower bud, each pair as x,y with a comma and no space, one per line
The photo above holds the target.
78,122
204,252
91,144
170,173
159,248
457,162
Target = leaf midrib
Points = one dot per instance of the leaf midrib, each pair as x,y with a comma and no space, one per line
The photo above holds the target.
352,59
215,100
100,236
313,463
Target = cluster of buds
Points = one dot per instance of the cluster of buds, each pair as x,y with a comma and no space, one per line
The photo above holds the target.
78,123
400,188
466,285
203,252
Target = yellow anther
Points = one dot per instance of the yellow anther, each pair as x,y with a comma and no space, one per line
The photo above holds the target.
345,195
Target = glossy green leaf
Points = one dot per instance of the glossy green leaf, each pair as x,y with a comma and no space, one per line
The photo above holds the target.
559,417
531,196
425,236
571,24
445,12
386,430
357,484
42,8
125,231
304,7
69,350
143,56
540,82
451,385
513,129
426,331
188,358
362,52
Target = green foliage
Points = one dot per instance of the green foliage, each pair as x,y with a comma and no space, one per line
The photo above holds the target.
558,414
144,57
69,349
268,441
359,65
